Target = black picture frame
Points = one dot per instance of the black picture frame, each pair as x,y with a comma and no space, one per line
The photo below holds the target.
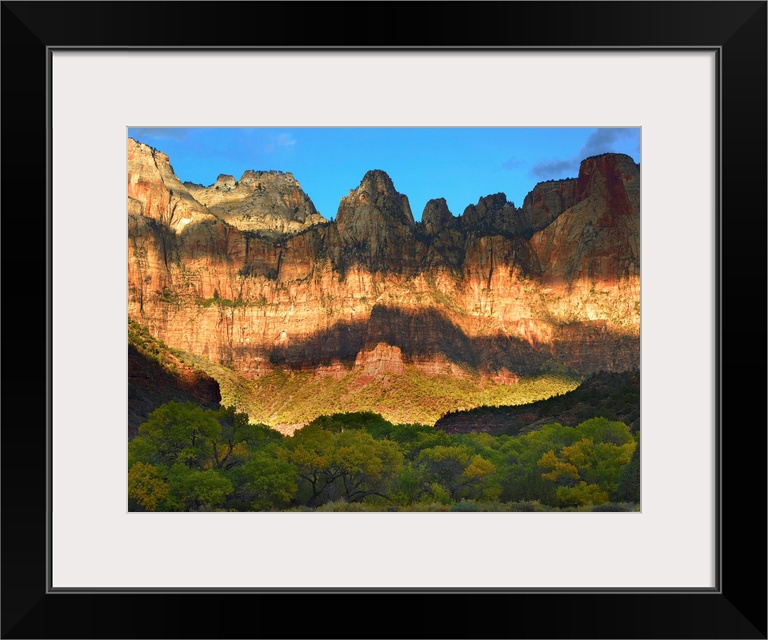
736,608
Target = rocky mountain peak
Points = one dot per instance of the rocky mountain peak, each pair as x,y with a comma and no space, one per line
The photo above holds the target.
377,181
492,202
485,207
262,178
492,214
598,236
376,197
546,201
437,217
375,222
270,202
225,180
612,171
373,294
155,192
136,147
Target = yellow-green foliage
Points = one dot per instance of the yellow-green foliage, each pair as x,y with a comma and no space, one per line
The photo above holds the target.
569,466
236,390
188,458
143,341
285,397
296,398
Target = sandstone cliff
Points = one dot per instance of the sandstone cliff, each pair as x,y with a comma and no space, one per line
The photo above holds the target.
498,292
268,201
155,192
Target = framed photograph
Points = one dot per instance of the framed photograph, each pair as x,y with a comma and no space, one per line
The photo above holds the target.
363,350
91,534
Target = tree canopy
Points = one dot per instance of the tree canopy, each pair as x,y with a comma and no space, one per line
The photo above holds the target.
186,457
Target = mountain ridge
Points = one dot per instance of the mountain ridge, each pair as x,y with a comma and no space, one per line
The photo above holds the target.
558,277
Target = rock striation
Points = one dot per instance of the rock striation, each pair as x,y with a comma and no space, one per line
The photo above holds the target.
155,193
437,217
375,226
248,274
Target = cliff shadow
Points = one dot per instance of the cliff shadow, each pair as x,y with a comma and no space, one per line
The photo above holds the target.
419,334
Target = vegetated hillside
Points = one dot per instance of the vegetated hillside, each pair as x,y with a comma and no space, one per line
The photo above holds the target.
287,399
615,396
157,376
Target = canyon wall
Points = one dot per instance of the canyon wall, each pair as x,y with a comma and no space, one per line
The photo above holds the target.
248,274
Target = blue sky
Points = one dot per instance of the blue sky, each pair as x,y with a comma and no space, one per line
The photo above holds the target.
458,164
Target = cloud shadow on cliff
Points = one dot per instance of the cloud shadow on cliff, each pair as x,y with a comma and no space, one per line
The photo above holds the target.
427,333
420,335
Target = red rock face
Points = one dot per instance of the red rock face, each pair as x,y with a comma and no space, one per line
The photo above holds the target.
460,298
155,192
616,178
547,201
598,238
504,377
380,360
336,370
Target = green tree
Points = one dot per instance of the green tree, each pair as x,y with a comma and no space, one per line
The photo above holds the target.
239,439
455,468
147,487
368,421
364,466
264,482
407,486
177,432
581,494
629,482
195,489
311,452
521,478
588,471
349,464
559,471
